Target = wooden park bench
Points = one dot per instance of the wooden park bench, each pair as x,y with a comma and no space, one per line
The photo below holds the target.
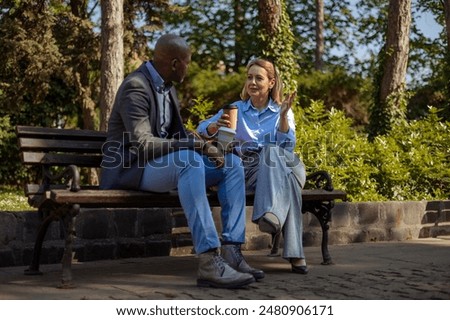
60,195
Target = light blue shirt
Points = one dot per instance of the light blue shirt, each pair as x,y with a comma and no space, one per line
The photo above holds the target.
257,128
163,98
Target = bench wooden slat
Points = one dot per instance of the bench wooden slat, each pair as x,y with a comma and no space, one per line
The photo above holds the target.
63,159
61,134
39,189
323,195
45,145
129,198
115,198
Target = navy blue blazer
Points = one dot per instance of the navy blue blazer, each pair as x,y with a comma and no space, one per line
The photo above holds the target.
134,132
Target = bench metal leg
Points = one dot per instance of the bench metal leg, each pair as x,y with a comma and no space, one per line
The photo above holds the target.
322,211
69,226
33,269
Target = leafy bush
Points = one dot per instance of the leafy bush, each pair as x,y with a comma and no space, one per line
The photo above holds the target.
11,170
337,89
13,199
327,141
411,162
414,159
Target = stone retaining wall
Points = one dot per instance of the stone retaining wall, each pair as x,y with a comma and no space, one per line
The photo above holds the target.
123,233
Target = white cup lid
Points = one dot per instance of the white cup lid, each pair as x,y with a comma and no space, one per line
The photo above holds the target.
229,130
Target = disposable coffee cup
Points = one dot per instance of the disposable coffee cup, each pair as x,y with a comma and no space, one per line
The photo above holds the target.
225,137
232,112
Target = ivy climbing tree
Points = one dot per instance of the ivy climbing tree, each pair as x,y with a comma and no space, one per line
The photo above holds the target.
277,40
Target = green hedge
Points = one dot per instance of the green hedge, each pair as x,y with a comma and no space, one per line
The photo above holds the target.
412,162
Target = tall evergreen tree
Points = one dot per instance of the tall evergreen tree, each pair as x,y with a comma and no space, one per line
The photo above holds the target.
112,57
389,103
277,40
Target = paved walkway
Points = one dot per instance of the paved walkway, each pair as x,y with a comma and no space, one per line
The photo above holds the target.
418,269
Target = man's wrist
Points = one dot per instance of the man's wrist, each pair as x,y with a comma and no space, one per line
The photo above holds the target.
208,133
207,130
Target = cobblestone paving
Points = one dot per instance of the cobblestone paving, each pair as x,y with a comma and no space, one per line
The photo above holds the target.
388,270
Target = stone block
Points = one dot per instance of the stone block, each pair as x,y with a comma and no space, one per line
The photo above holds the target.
368,213
125,222
157,247
339,237
307,217
413,212
55,231
181,240
7,258
94,224
371,235
312,237
257,241
340,215
26,256
52,253
400,234
310,221
425,232
31,223
8,228
429,217
129,249
393,213
153,221
97,250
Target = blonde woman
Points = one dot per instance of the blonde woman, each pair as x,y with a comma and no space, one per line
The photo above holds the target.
265,140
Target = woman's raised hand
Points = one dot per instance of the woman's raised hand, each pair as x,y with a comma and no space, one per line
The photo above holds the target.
287,103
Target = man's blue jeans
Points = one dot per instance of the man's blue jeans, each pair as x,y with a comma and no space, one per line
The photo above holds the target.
191,173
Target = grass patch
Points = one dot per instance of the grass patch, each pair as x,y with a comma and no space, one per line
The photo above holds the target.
13,199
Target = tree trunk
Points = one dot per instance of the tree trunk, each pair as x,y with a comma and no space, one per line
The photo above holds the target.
270,15
239,20
396,48
446,5
318,63
277,40
112,57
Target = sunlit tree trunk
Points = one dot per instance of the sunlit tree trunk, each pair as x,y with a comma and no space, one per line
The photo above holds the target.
389,101
446,6
270,15
318,63
239,20
112,56
396,48
278,39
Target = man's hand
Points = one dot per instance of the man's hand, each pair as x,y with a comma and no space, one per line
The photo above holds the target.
214,154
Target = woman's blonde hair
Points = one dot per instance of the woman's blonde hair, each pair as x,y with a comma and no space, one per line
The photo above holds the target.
276,92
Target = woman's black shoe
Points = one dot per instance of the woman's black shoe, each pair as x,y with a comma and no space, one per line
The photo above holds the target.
300,269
